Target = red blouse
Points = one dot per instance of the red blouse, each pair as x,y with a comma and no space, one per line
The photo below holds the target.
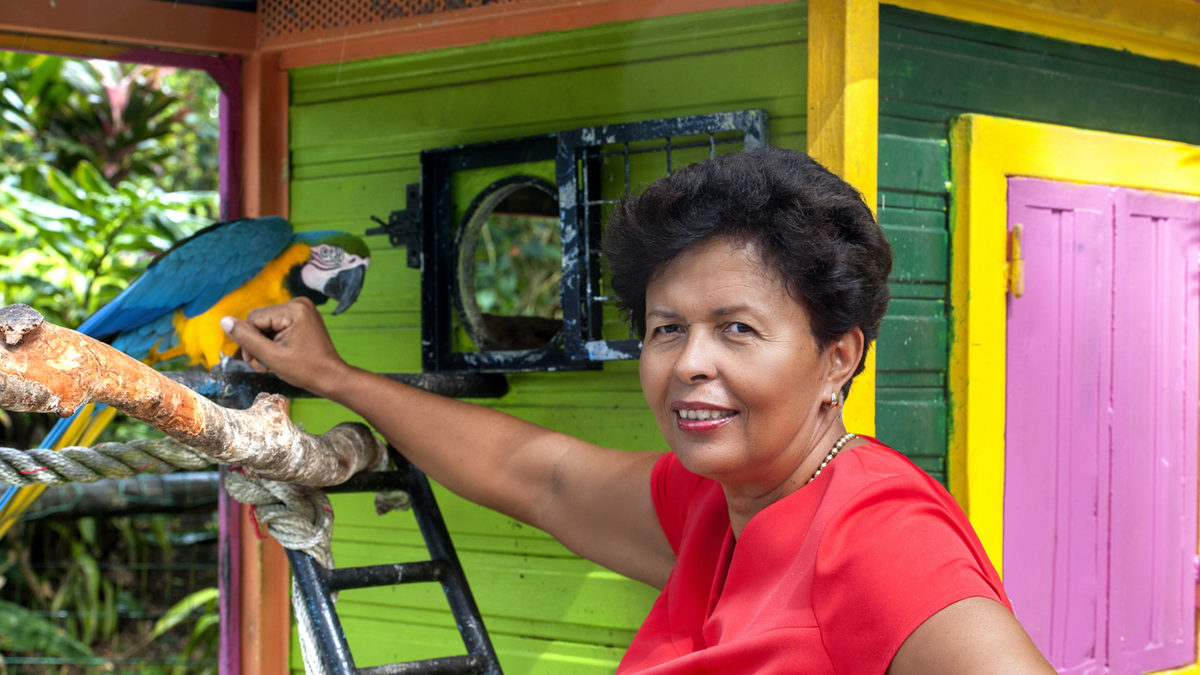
830,579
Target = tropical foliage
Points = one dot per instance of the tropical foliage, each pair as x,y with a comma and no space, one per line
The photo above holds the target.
94,156
102,166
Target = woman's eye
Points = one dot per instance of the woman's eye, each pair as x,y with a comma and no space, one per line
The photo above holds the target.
666,329
738,327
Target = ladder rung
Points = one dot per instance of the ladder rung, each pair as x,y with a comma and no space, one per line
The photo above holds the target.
446,665
372,481
343,578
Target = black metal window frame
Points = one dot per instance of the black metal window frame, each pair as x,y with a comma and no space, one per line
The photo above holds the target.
428,227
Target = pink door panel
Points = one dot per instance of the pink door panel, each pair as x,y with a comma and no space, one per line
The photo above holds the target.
1154,431
1056,483
1101,434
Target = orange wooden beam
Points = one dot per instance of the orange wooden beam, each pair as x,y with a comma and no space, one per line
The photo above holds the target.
265,602
138,23
264,128
265,610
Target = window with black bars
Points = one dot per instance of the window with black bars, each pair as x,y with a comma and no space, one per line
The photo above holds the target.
509,234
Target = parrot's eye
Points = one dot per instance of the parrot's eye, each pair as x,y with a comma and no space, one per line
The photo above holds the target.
328,256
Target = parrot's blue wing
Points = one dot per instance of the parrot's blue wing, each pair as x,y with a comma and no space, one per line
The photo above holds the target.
157,333
192,276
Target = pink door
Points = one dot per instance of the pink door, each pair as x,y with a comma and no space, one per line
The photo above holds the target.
1101,433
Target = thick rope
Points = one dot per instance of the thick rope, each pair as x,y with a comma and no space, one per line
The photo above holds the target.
298,517
75,464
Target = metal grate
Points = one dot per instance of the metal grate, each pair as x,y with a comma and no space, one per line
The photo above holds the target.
279,18
632,155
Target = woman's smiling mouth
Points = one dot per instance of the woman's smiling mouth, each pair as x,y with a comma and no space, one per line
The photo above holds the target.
704,414
699,420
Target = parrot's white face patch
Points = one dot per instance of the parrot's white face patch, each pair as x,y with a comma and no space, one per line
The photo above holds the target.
325,262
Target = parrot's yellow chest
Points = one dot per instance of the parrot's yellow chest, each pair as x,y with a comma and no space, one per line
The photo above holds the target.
200,337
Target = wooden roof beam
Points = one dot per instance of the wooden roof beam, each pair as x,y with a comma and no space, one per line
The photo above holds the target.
136,23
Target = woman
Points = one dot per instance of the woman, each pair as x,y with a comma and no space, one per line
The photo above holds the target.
781,543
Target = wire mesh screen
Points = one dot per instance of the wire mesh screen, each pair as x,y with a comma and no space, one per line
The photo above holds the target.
280,18
625,169
85,594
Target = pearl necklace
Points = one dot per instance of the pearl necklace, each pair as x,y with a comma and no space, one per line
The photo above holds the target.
837,447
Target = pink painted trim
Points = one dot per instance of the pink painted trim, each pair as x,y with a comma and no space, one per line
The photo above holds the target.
230,186
229,551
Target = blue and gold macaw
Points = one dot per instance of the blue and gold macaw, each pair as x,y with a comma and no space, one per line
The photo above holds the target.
173,311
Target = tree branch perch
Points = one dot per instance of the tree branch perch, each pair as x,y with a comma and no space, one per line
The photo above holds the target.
47,368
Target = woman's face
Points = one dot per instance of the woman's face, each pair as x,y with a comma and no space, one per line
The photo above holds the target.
731,369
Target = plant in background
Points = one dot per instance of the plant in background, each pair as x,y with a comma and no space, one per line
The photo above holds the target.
22,630
518,264
68,253
153,126
205,630
102,166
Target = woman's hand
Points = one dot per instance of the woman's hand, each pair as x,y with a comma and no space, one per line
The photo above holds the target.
594,500
291,341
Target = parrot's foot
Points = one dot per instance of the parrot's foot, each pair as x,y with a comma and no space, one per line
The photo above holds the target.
228,364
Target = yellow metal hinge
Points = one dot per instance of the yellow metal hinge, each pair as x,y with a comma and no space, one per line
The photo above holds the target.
1015,267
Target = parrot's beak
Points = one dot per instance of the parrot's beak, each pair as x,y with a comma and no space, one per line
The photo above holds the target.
345,287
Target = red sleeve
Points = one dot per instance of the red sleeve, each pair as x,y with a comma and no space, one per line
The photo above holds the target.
672,487
877,558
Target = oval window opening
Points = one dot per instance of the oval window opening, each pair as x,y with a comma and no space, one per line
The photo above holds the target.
510,264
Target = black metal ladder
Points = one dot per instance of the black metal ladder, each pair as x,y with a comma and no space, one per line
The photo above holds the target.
238,389
318,584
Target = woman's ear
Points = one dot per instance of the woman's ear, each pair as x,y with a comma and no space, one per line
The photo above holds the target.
844,355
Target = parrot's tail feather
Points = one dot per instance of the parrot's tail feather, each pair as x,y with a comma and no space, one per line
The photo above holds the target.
81,429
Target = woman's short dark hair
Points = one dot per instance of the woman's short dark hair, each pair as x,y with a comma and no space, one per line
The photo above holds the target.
810,226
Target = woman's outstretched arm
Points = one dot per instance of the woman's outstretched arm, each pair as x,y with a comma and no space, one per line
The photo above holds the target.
978,636
594,500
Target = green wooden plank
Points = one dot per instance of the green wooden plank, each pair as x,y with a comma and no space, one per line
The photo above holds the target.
1132,65
556,102
895,199
918,253
582,49
909,379
914,164
913,421
893,214
375,641
956,66
571,591
893,125
918,291
913,336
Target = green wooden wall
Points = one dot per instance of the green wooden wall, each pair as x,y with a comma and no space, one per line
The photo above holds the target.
355,133
930,70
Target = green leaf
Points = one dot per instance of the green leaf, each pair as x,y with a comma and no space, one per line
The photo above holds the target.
64,188
23,631
90,179
181,610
